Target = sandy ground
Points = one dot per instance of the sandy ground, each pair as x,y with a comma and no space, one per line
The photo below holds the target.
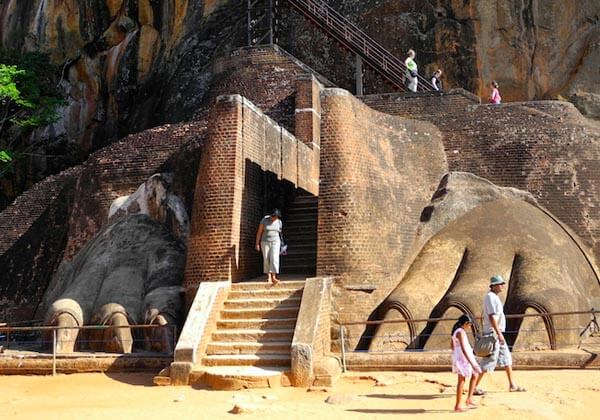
551,394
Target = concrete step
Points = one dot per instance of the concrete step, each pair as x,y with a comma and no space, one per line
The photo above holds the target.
269,347
265,334
256,324
263,285
247,360
233,378
253,313
273,292
262,303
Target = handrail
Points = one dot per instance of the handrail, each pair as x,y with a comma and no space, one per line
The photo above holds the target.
357,41
508,316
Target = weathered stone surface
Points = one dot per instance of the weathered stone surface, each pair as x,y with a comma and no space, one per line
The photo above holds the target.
133,269
154,199
534,49
547,268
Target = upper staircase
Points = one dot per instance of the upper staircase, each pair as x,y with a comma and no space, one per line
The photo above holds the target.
300,232
356,41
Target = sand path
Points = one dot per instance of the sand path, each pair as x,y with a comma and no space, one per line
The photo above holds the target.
551,395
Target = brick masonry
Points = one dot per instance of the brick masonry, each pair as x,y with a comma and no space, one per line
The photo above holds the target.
546,148
377,173
57,216
244,152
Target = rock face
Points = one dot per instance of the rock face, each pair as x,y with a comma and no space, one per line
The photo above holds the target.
128,65
535,49
489,230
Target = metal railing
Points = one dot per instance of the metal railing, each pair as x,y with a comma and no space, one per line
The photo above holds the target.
20,341
589,328
358,42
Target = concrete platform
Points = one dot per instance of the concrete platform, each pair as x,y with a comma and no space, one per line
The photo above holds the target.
233,378
442,361
32,363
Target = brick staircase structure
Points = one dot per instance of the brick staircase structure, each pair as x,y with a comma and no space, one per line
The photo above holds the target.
254,329
300,233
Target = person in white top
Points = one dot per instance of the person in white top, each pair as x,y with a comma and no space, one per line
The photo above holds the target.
494,322
412,71
436,82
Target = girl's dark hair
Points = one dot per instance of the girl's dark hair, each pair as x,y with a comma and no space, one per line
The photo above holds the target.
276,213
495,84
464,318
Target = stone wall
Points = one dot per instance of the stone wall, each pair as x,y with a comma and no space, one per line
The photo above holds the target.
377,174
56,217
245,153
545,148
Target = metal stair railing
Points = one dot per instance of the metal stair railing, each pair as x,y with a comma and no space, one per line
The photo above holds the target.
354,39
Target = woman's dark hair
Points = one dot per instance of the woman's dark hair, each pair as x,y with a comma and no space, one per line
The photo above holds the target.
276,213
495,84
464,318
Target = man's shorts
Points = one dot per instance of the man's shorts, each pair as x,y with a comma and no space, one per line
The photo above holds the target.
501,357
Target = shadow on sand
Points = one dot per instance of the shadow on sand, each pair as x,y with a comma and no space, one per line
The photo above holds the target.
398,411
410,396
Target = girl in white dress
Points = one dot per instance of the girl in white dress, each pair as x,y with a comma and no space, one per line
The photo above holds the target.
463,362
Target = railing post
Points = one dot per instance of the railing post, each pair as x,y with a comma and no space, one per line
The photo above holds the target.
359,76
270,20
343,348
54,352
249,17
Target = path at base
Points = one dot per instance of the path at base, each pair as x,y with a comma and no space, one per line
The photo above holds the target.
551,394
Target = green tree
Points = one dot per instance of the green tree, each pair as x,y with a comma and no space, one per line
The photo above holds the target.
29,99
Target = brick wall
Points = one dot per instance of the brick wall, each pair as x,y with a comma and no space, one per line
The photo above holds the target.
245,153
57,216
33,232
543,147
266,76
377,174
119,170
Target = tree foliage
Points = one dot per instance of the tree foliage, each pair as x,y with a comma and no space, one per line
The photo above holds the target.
29,99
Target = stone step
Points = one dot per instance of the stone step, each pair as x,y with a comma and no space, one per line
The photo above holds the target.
269,347
263,285
300,254
303,247
256,324
253,313
264,334
273,292
247,360
282,302
301,219
233,378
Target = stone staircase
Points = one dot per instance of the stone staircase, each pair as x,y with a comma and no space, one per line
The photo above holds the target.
254,330
300,232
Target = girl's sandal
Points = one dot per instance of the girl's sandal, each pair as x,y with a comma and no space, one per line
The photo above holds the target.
479,392
461,410
517,389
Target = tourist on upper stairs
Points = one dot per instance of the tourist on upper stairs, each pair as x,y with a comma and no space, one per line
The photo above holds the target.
268,239
436,80
412,73
495,97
